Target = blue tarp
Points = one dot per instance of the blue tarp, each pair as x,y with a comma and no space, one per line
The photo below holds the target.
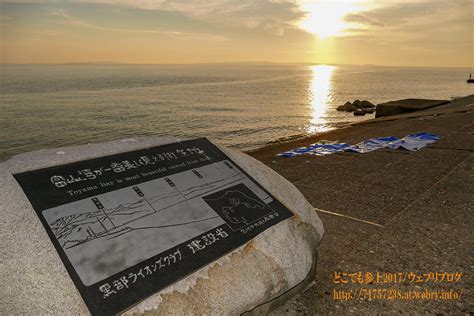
417,141
315,149
373,144
327,149
410,142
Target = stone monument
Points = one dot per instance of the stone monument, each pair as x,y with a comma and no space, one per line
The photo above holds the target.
150,224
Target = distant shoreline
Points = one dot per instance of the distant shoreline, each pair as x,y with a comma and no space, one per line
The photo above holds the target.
104,63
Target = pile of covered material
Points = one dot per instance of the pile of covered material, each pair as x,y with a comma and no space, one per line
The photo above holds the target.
411,142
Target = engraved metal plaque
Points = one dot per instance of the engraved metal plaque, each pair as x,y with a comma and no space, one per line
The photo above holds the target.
130,224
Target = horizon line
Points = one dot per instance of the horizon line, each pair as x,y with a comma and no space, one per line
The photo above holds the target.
225,62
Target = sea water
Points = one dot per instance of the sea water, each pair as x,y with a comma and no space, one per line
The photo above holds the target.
239,105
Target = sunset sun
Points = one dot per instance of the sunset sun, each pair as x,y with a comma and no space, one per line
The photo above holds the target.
325,19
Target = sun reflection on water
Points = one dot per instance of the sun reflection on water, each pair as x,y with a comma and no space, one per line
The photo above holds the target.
320,95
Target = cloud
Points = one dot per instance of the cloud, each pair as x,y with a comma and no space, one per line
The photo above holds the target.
66,18
412,20
361,19
400,14
270,16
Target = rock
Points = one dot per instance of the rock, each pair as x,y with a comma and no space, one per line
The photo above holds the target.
356,103
350,108
366,104
359,112
369,110
346,107
264,269
406,106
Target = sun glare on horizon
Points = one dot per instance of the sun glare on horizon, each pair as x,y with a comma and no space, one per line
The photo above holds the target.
325,19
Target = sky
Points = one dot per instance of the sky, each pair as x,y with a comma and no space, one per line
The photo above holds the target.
422,33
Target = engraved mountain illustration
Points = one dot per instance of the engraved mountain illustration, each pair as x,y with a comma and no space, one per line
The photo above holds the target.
237,205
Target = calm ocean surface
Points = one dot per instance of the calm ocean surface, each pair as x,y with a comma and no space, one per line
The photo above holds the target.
240,105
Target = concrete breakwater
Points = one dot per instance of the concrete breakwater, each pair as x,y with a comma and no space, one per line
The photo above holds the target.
390,212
